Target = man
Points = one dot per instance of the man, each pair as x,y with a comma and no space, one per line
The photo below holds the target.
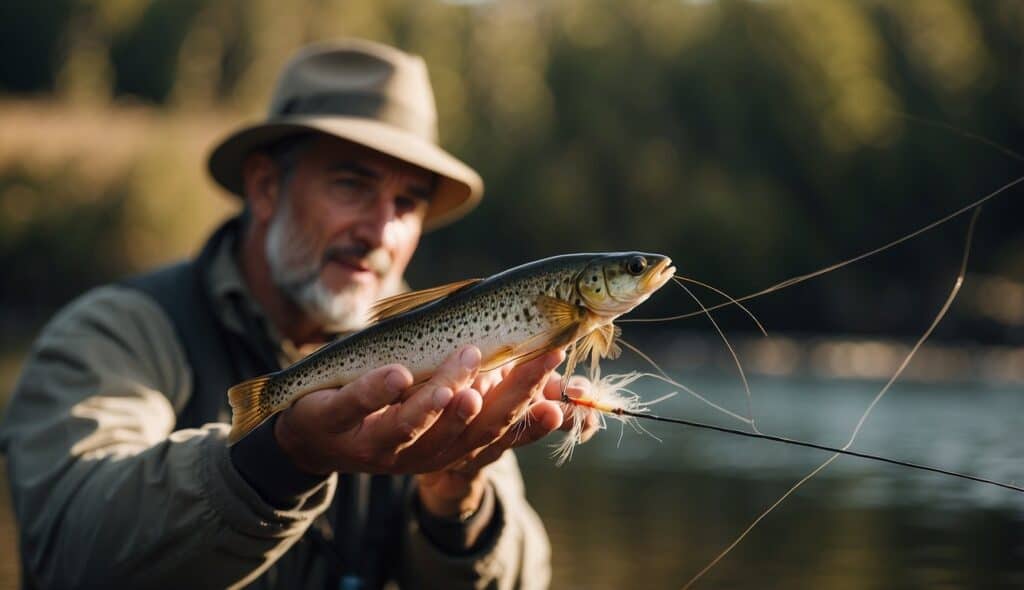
116,441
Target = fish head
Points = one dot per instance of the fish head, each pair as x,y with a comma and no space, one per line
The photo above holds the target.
614,284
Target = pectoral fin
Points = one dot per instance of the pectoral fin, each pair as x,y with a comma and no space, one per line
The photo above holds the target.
598,343
559,312
531,348
565,319
601,343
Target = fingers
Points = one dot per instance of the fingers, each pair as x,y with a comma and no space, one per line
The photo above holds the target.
542,419
341,409
505,403
592,423
578,385
309,430
424,453
485,380
488,379
415,416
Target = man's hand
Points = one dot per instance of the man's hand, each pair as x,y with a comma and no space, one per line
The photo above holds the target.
458,490
376,425
446,429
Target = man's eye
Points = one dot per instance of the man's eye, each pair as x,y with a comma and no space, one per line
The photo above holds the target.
407,204
349,182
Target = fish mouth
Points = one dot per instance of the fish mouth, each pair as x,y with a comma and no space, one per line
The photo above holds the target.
659,275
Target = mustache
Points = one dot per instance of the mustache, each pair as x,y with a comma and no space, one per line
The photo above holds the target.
377,260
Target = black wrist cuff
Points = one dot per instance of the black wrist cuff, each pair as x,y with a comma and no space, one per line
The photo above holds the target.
264,466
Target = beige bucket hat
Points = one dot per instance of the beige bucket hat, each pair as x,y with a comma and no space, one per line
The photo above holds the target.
367,93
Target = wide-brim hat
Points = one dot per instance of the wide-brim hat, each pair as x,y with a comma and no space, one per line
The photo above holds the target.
370,94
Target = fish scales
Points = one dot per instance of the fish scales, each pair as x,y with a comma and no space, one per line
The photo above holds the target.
489,320
509,309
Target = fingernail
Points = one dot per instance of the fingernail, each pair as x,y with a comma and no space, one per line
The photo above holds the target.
574,391
470,357
442,395
395,381
465,409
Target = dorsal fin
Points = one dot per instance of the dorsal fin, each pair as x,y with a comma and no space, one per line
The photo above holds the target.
403,302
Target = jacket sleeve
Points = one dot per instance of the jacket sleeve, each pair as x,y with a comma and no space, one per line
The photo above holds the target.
517,555
106,493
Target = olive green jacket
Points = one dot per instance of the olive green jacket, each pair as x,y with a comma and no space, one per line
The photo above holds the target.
109,493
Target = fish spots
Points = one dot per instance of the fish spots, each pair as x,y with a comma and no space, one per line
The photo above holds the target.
498,313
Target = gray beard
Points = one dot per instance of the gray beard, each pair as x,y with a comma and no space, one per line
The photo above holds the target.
295,269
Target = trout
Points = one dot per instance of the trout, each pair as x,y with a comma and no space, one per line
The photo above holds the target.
514,316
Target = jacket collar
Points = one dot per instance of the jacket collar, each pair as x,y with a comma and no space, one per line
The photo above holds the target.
232,298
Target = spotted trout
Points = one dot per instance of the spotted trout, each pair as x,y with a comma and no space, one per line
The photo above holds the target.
514,316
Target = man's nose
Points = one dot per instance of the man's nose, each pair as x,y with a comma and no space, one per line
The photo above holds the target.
375,226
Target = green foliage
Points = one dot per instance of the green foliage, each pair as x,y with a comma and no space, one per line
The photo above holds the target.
750,140
145,57
52,243
30,37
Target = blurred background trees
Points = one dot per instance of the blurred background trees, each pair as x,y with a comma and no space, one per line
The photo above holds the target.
750,140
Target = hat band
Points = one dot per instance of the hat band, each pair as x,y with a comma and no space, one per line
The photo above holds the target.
362,105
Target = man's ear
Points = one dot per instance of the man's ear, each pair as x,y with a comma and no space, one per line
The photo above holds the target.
261,181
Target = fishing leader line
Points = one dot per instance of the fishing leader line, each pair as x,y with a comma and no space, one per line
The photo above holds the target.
820,447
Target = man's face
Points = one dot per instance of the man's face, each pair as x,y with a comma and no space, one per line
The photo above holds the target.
344,227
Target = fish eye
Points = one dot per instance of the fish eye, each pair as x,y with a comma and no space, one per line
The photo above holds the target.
636,265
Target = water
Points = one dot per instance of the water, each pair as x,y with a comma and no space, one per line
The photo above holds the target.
645,514
649,514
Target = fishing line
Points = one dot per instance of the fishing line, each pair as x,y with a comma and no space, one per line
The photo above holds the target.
961,132
732,351
806,277
661,375
860,423
757,322
811,445
972,207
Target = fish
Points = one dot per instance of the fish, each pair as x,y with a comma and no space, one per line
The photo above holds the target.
570,300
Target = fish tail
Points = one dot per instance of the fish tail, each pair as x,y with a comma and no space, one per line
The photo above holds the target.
249,407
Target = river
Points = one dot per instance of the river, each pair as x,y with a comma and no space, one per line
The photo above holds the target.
639,513
642,513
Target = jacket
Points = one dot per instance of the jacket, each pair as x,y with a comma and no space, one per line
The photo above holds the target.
111,488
